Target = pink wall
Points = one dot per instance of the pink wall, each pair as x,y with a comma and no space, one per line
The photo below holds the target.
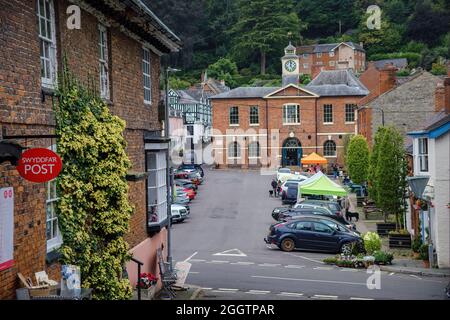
146,253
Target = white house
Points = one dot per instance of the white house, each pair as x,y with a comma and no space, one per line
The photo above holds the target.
431,157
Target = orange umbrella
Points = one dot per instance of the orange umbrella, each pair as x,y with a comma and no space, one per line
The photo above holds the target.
314,158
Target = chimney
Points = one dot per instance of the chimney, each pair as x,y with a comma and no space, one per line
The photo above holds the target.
361,44
222,82
388,78
447,94
442,96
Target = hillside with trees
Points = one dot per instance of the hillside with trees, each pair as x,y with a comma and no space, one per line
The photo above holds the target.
247,37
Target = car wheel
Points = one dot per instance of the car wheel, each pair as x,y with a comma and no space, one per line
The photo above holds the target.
287,245
346,248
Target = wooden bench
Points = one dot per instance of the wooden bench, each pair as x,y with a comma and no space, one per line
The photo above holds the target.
168,279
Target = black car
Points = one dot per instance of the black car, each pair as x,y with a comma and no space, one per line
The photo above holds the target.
323,212
312,233
332,205
192,166
291,195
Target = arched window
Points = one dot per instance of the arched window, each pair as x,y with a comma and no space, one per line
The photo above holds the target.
234,150
329,148
253,150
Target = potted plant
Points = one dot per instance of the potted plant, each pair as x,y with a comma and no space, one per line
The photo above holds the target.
383,228
399,239
148,283
415,246
423,254
383,258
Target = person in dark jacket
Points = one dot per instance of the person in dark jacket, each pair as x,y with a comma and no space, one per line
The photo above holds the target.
274,187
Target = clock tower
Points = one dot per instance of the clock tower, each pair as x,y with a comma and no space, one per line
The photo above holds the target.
290,65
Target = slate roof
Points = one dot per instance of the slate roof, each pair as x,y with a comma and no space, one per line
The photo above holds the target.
399,63
246,92
337,83
305,49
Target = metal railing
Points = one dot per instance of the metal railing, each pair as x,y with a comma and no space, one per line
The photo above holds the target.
139,263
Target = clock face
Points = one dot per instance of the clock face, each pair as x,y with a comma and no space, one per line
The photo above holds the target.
290,65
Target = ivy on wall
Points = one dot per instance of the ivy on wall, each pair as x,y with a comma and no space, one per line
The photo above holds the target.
93,210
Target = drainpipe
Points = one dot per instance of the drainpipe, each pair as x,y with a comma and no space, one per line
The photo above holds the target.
315,114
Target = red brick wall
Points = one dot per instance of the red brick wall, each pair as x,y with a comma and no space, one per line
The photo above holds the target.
23,112
307,127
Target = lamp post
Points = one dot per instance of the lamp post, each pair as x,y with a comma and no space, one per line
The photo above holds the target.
169,179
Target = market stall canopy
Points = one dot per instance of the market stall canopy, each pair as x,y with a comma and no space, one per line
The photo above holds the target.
320,184
314,158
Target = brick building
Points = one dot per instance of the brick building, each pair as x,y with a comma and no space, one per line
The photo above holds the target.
404,102
262,126
119,44
332,56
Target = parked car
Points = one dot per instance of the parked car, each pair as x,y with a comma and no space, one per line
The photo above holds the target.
290,197
186,183
179,213
288,183
191,167
332,205
286,215
190,193
311,233
281,172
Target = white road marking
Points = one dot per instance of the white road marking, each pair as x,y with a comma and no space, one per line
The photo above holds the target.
414,276
320,296
197,260
206,288
349,270
194,272
311,280
217,261
391,273
191,256
227,289
242,263
293,266
258,292
306,258
323,268
353,298
221,291
294,294
269,265
231,252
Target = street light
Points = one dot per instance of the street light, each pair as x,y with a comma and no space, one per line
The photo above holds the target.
169,169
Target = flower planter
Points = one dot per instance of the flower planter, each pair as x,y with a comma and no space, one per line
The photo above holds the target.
384,228
402,241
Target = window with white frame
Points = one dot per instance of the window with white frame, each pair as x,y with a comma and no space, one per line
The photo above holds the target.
331,53
47,42
234,115
103,61
254,150
329,149
327,113
305,55
332,63
305,66
156,187
291,114
423,154
254,115
350,113
146,70
53,236
234,150
319,54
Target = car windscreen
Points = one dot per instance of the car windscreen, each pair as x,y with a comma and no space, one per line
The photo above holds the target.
284,170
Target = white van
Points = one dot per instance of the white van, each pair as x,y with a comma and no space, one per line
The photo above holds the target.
179,213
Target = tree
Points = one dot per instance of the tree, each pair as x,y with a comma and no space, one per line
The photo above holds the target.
263,27
358,159
93,210
224,69
346,142
391,174
373,164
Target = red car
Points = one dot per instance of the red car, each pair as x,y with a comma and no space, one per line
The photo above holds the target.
190,193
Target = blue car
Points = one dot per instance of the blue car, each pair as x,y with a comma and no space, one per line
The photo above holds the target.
314,234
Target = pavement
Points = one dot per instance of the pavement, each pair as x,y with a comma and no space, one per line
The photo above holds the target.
223,242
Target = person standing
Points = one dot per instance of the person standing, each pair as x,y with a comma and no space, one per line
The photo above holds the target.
335,170
279,187
274,187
